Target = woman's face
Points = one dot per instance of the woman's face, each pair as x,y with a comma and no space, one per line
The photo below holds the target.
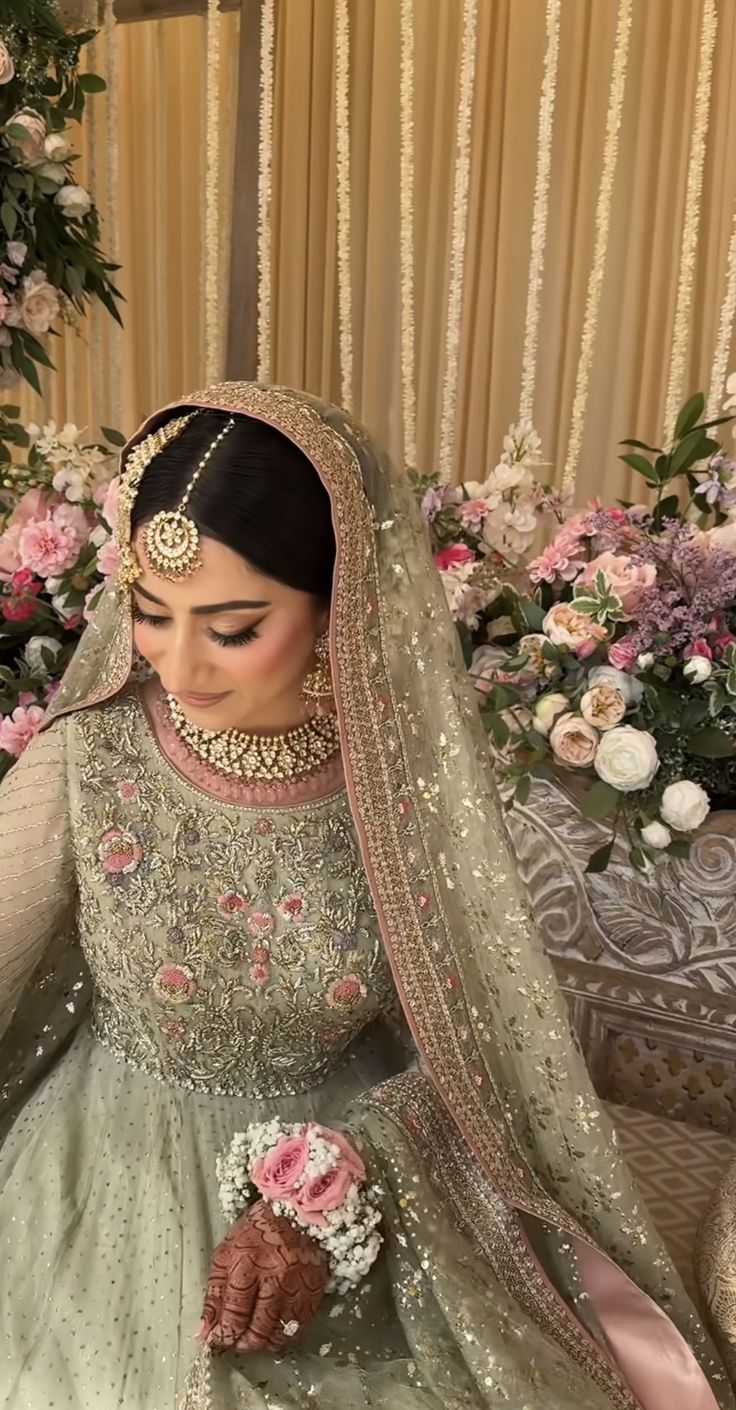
231,645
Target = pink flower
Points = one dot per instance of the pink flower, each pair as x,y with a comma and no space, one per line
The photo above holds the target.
260,924
455,556
26,697
17,730
574,742
622,654
261,955
346,993
127,791
260,973
625,578
231,903
34,505
276,1173
350,1158
559,560
51,690
119,851
47,549
699,647
174,984
108,558
292,907
18,609
722,643
23,581
110,503
472,512
4,302
487,670
566,627
324,1192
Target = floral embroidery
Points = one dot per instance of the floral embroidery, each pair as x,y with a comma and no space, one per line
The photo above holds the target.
404,806
173,1028
264,827
451,982
346,992
174,984
119,852
175,935
261,954
423,901
127,791
292,907
260,924
260,973
231,903
346,941
190,837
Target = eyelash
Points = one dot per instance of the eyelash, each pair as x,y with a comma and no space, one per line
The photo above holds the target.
235,639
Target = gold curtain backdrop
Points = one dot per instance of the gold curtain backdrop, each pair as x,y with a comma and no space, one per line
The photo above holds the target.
633,228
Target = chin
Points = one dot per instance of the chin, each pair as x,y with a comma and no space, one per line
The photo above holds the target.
211,712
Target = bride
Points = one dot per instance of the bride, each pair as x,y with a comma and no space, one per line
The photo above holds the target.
259,928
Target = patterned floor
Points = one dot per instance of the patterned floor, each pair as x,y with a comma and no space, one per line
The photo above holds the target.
677,1168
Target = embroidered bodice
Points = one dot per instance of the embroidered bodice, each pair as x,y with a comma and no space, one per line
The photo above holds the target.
234,949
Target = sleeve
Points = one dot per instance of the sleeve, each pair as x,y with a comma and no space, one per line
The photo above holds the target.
37,886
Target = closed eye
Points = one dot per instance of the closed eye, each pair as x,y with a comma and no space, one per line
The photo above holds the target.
222,638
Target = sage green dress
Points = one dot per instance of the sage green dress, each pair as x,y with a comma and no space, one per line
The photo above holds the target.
237,973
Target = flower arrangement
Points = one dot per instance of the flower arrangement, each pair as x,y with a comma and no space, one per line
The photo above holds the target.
57,518
51,265
617,662
482,531
313,1177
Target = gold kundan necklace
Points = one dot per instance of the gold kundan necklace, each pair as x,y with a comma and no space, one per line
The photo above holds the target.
261,757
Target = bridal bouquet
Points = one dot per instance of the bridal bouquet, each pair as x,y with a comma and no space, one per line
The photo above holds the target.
57,516
617,663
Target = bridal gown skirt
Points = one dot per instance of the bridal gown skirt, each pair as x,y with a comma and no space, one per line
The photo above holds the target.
108,1219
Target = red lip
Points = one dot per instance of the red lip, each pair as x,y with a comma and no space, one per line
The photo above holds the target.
201,702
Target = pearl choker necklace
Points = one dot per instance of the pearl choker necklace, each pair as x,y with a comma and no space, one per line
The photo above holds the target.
261,757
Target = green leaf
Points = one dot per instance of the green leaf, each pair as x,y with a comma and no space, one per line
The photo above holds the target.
691,449
668,508
505,695
532,613
731,683
638,463
113,438
542,771
499,729
9,217
695,712
522,790
690,414
600,859
36,349
678,848
92,83
601,801
639,859
642,445
710,743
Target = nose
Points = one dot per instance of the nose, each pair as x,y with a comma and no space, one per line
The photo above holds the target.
181,665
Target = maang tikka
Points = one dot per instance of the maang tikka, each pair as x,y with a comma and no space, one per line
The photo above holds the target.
171,539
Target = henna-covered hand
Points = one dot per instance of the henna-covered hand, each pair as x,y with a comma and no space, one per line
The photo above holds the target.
264,1276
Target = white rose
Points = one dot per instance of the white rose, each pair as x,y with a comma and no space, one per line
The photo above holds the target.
684,806
548,709
627,758
39,304
697,669
34,649
631,688
53,171
656,835
34,127
56,147
645,660
7,67
17,252
73,202
603,706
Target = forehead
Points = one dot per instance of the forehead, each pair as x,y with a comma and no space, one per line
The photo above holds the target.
223,576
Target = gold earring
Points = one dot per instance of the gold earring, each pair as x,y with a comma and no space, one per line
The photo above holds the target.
317,688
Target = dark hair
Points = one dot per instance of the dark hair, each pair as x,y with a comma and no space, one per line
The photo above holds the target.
258,494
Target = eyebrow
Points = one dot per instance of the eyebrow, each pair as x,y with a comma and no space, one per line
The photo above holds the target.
205,611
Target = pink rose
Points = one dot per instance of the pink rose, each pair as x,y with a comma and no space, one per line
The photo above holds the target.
73,521
622,654
349,1156
722,643
625,578
455,556
108,558
276,1173
31,144
603,706
34,505
566,627
110,503
17,730
323,1193
699,647
18,609
47,550
574,742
